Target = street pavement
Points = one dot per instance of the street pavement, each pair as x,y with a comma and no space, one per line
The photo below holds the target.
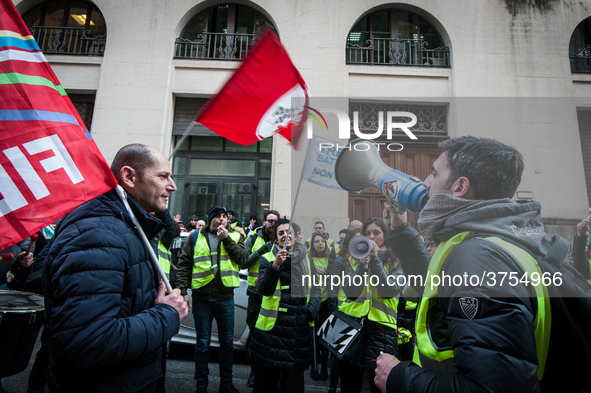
179,373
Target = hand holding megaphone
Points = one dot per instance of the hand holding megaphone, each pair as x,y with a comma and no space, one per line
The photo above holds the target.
359,165
392,217
361,247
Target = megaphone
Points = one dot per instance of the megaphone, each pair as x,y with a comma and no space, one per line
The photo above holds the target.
359,247
357,169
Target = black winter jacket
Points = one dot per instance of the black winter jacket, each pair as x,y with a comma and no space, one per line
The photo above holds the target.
105,333
288,344
493,352
376,337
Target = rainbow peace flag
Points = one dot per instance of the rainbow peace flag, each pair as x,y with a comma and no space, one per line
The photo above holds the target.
49,164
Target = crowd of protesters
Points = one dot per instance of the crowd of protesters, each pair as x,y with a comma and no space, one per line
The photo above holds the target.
108,327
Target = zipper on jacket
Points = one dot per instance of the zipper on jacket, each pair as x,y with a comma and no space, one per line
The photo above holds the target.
125,221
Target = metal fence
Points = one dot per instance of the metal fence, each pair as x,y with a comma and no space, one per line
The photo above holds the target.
398,51
218,46
68,40
580,62
432,119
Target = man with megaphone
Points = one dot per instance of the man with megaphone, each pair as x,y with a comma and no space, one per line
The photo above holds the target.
474,333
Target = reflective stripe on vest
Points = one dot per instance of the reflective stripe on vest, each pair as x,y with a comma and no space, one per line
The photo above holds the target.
337,248
204,269
164,259
384,310
270,305
322,264
440,360
341,297
341,294
410,305
253,271
359,307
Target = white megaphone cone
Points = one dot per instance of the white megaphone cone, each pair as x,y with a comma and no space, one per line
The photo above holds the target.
359,247
357,169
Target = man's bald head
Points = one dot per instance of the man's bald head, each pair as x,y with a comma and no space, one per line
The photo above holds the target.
145,174
137,156
355,224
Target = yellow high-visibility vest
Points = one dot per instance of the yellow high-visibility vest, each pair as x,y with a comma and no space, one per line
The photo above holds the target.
359,307
253,271
164,257
428,355
270,305
204,268
322,264
384,311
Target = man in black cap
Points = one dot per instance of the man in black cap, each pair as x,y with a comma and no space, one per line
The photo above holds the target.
209,264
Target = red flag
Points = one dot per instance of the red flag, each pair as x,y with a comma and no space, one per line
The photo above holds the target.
257,100
49,164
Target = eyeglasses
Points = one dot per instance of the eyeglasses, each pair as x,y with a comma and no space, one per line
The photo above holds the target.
271,221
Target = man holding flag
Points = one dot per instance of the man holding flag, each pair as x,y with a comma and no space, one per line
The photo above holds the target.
106,314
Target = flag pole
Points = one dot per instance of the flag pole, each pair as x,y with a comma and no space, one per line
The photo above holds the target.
292,213
144,239
178,144
297,194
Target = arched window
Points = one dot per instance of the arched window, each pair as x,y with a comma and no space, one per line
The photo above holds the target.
68,27
396,37
579,48
221,32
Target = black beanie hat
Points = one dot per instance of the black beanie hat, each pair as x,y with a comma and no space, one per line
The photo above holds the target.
214,211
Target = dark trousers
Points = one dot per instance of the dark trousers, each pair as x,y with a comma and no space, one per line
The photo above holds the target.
203,314
291,382
252,312
352,381
372,386
38,375
321,351
253,309
351,378
334,373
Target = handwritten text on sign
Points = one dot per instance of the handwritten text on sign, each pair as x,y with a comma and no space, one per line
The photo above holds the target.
319,167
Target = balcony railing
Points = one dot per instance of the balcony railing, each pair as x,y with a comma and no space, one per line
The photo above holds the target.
68,40
580,62
397,51
216,46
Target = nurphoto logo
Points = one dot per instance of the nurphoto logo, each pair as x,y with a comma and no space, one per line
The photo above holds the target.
392,123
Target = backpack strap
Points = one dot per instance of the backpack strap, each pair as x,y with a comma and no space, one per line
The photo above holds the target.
194,239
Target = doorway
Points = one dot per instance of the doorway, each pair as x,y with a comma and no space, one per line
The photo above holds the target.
233,193
212,171
415,159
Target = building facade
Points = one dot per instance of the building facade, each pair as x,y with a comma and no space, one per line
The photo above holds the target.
513,70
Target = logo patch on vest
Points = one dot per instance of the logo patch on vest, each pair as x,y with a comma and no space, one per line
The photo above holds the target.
469,306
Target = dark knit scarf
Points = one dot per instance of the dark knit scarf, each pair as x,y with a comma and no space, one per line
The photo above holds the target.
442,207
